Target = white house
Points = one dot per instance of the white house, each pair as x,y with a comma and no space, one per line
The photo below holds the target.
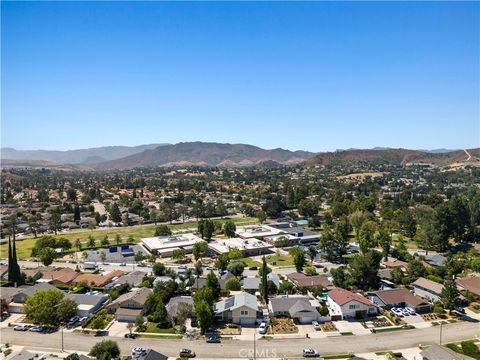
427,289
239,309
344,304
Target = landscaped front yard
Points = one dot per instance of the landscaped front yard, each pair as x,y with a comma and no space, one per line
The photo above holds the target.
282,326
153,328
328,326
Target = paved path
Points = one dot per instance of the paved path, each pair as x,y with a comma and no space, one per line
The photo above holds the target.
265,348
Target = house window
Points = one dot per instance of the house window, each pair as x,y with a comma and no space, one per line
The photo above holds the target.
243,312
354,306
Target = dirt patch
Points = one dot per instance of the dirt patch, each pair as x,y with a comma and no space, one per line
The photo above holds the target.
282,326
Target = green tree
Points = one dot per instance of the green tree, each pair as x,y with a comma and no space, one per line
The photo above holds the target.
450,295
159,269
204,314
312,252
55,222
229,228
212,283
415,270
115,214
236,268
47,256
105,241
160,313
367,236
42,307
328,243
178,254
138,256
384,240
307,208
341,278
298,258
118,239
66,309
105,350
261,216
222,261
232,284
427,236
78,244
163,230
235,254
364,270
204,294
200,249
357,218
91,241
264,282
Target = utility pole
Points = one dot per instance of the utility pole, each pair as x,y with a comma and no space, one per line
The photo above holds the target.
254,347
440,334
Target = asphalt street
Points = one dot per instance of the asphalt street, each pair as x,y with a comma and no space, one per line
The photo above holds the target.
244,349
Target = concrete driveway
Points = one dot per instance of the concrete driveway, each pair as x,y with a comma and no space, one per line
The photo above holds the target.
351,326
118,329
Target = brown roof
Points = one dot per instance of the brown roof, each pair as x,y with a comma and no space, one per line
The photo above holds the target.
63,275
471,284
395,296
97,279
128,312
138,295
35,271
395,263
342,296
429,285
302,280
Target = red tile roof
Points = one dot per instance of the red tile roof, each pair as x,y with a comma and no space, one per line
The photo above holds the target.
342,296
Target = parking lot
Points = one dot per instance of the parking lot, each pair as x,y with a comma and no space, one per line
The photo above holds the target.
117,257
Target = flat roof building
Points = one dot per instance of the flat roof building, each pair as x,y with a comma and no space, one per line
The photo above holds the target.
249,247
165,245
257,231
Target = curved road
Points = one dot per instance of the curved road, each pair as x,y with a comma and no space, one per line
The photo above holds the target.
244,349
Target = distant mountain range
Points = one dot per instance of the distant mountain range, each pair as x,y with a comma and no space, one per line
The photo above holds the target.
395,157
223,155
81,156
207,154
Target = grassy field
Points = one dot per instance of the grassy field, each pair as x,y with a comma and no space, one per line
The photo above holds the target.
24,247
280,260
250,262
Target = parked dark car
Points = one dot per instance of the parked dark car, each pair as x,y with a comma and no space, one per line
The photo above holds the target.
193,322
213,340
130,336
253,268
187,353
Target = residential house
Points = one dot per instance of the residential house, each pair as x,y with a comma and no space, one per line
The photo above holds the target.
298,308
399,298
471,284
427,289
436,260
177,303
344,304
88,304
240,309
60,276
251,285
128,306
274,278
133,279
395,263
302,280
16,305
6,297
98,280
437,352
148,354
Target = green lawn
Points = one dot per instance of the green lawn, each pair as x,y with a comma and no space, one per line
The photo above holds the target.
249,262
152,328
24,247
280,260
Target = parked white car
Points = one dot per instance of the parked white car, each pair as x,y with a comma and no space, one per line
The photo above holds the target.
410,310
397,311
316,325
262,329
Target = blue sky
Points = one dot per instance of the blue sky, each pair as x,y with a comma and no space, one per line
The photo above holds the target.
313,76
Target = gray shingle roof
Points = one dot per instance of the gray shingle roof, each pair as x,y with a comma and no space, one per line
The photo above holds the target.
233,302
251,283
437,352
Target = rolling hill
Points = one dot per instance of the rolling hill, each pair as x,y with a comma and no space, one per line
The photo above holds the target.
395,157
206,154
80,156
